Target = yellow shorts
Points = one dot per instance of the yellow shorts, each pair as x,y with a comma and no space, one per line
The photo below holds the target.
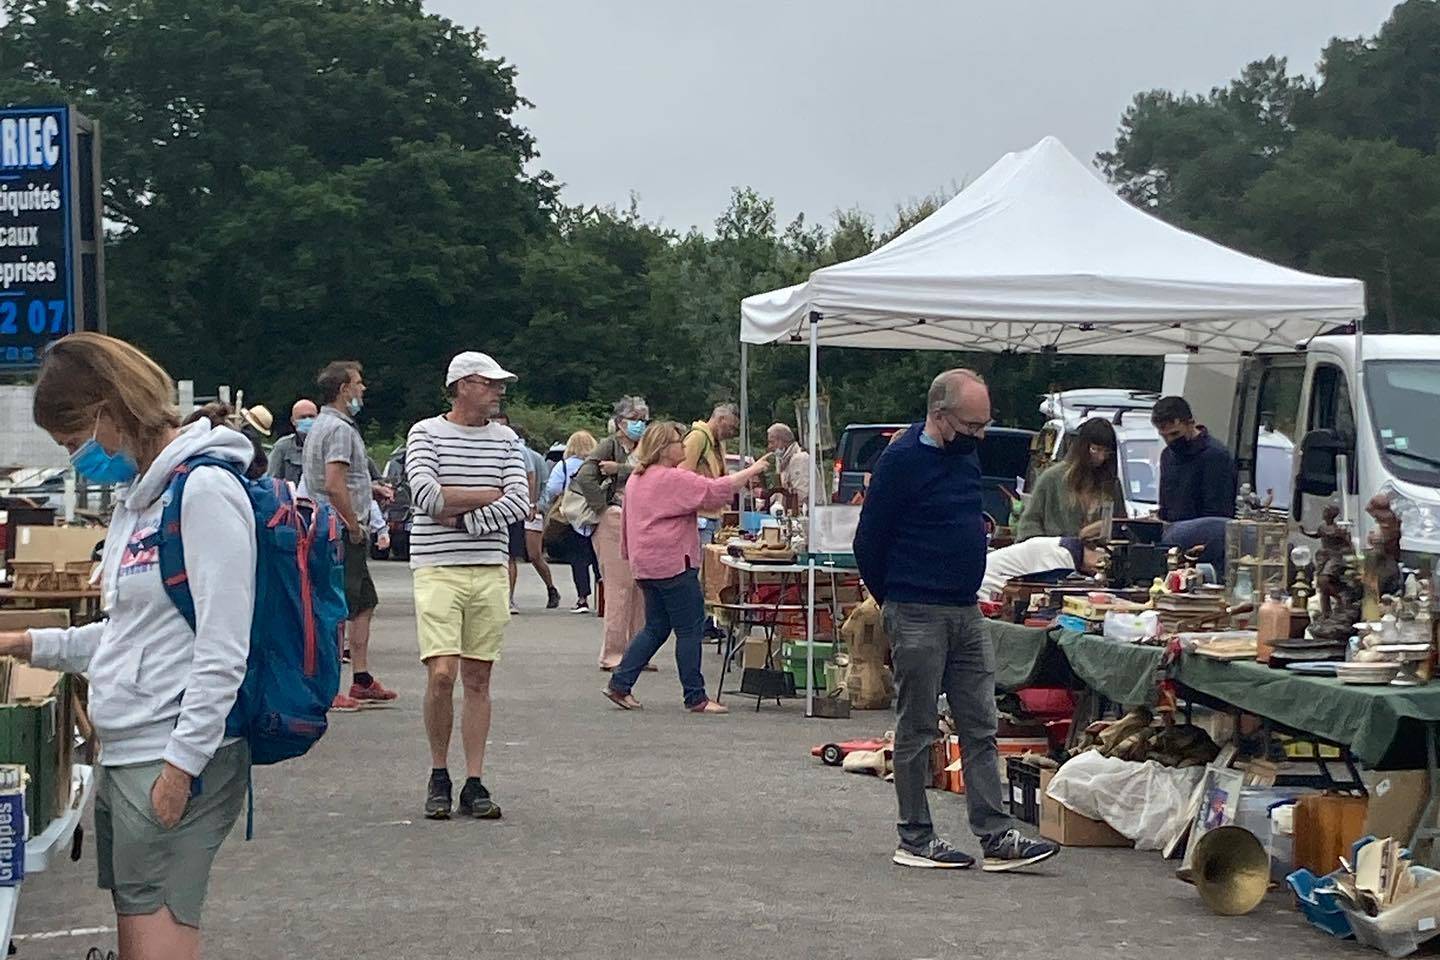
462,611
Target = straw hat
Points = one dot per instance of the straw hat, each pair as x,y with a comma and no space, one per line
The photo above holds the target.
259,417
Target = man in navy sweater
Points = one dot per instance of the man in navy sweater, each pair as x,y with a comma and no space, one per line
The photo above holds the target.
1197,474
921,549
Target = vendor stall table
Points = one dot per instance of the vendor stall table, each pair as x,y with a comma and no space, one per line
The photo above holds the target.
742,616
1124,673
84,605
1384,726
1026,656
41,850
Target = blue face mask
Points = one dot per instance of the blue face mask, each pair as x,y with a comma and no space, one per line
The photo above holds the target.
635,429
354,405
303,425
94,464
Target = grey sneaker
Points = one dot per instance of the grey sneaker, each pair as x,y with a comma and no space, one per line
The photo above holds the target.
475,802
437,799
1013,850
934,855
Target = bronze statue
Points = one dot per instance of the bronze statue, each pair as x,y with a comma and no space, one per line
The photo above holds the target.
1382,560
1330,556
1344,603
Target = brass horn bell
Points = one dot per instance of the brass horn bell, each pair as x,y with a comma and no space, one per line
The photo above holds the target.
1231,870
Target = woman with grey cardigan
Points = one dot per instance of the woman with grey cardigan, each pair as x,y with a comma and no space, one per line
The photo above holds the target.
601,481
1069,495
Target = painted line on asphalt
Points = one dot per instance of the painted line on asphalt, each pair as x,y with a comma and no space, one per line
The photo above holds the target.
57,934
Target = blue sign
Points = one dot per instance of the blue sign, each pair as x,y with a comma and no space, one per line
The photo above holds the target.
37,303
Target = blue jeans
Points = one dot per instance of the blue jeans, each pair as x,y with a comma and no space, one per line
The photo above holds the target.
676,604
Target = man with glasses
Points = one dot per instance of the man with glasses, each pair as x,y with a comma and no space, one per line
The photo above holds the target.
920,546
467,478
705,455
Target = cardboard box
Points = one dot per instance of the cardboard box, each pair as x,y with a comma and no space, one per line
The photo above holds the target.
1397,798
56,545
12,620
37,722
754,653
12,835
1068,828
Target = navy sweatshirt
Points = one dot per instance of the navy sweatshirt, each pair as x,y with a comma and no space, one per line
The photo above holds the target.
921,537
1197,479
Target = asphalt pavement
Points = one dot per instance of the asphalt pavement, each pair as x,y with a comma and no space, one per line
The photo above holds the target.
654,834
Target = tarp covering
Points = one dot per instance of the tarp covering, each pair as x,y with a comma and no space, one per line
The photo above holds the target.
1039,254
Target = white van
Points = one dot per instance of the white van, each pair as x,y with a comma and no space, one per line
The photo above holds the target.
1368,427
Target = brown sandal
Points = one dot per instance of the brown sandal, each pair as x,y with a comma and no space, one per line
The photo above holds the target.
709,706
624,701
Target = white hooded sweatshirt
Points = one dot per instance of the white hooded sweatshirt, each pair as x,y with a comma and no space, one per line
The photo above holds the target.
145,656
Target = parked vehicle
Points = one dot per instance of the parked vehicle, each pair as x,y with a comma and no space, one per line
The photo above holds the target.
1004,457
1364,427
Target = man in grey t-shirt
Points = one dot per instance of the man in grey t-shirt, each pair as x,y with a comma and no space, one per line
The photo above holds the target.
337,472
527,537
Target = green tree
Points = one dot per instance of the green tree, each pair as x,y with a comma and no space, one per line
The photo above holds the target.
295,182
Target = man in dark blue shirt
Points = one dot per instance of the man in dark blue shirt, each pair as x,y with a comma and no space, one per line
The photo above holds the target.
921,550
1197,473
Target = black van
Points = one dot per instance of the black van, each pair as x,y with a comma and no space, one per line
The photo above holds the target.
1004,457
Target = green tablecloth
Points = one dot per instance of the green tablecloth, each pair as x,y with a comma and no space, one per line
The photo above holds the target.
1021,653
1383,726
1123,672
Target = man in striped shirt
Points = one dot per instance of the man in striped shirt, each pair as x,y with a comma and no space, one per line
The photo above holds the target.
467,477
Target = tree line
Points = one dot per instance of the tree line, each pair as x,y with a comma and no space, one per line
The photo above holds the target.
289,182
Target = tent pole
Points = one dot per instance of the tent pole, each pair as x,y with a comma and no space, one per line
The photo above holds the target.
744,418
812,435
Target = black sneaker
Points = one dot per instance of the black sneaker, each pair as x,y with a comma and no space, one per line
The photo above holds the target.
437,799
552,601
475,802
1013,850
934,855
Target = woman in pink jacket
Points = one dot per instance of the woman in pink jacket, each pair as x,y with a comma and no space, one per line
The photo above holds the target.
661,541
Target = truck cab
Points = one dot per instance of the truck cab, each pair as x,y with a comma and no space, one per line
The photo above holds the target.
1360,428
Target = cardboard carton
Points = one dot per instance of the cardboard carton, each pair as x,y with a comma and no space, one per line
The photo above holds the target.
56,546
36,729
754,654
1397,798
1070,829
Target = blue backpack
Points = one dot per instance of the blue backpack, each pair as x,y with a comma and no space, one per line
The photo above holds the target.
293,671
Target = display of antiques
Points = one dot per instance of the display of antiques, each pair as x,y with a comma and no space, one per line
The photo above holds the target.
1255,553
1135,557
1340,590
1137,737
1382,556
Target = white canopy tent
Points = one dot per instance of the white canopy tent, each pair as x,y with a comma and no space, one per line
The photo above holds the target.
1038,255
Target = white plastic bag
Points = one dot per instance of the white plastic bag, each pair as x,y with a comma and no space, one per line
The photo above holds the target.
1145,802
1131,627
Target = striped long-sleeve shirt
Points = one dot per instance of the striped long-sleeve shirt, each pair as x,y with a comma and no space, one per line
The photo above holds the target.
439,454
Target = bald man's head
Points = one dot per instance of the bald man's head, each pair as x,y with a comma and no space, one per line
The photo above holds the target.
959,403
303,410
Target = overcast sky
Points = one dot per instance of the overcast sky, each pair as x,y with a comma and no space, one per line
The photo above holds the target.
828,104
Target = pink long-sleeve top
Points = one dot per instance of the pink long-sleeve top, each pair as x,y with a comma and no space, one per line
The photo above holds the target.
660,537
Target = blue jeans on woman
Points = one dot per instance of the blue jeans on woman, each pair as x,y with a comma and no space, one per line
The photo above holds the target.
678,605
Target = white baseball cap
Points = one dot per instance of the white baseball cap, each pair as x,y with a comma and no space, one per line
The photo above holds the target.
472,363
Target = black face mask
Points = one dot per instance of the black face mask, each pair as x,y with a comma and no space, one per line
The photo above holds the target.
1181,444
961,445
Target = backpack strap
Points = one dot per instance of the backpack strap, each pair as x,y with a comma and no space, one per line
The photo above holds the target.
167,539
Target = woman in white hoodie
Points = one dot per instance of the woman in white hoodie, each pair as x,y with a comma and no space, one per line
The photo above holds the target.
170,783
